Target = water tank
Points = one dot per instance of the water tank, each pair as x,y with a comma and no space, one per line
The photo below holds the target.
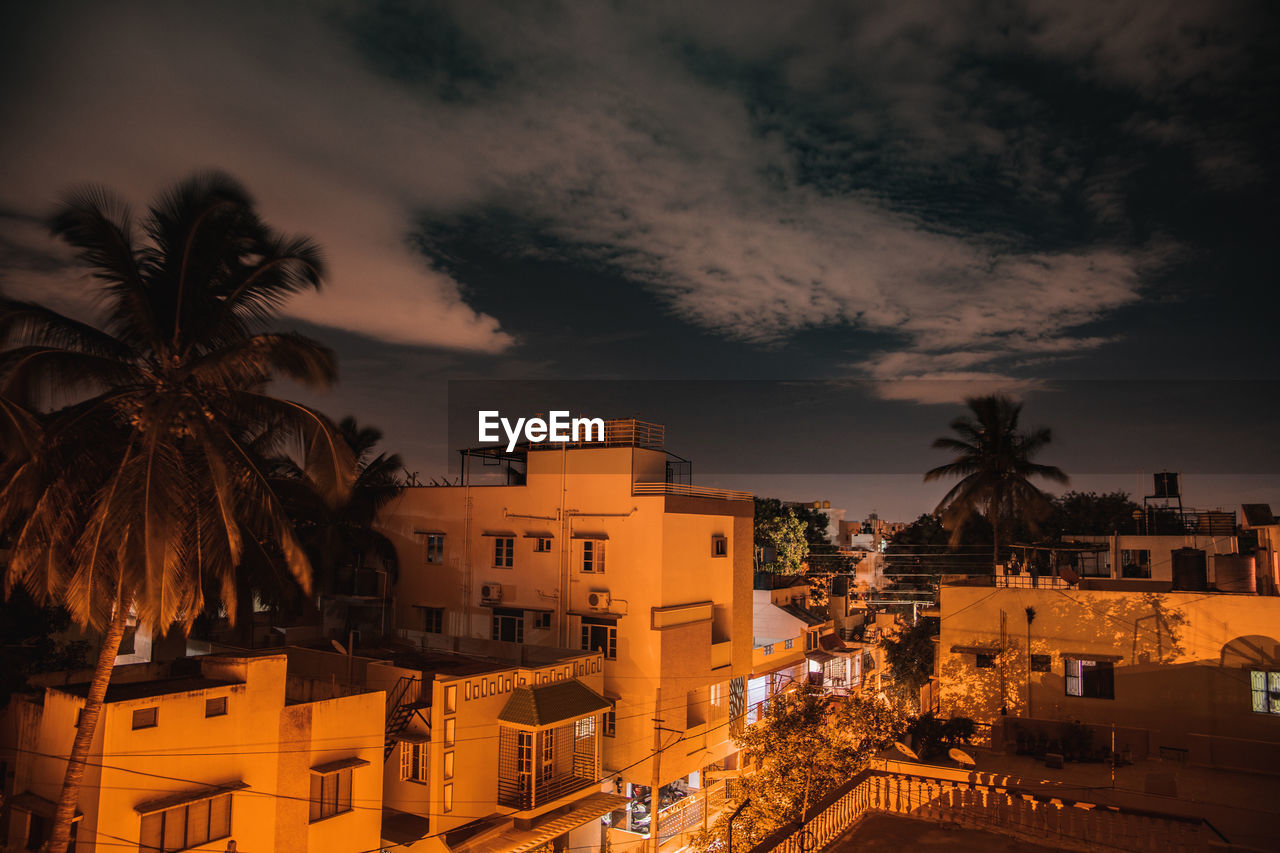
1190,570
826,504
1234,573
1166,485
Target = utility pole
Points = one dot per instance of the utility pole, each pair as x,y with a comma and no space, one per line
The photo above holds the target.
657,778
1031,617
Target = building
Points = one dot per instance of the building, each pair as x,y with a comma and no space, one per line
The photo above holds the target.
593,546
1164,640
200,754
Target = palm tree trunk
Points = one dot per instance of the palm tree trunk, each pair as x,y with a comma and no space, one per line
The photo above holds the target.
63,817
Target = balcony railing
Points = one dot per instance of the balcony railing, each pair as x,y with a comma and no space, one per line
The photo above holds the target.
541,793
685,490
620,432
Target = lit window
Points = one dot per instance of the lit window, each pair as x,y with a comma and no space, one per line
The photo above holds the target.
186,826
450,728
451,699
330,794
448,798
719,546
504,552
144,718
1090,679
413,762
435,548
1265,689
592,556
216,707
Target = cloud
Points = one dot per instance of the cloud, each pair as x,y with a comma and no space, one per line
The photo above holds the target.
762,171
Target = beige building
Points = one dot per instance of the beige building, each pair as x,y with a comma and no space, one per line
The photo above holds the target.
225,753
1162,638
591,547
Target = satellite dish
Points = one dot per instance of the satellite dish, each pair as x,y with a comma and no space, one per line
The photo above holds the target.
959,756
906,750
339,647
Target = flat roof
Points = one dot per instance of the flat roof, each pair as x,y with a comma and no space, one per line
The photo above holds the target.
125,691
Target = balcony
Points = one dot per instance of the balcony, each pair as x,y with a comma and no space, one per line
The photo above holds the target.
618,432
538,768
721,654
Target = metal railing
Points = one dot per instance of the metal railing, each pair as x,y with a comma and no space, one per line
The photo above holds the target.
685,490
619,432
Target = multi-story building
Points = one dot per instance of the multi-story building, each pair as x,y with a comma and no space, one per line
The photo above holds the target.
225,757
591,546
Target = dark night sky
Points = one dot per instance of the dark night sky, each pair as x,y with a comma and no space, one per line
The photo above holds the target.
909,201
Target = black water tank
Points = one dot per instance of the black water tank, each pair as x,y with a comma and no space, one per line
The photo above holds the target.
1190,570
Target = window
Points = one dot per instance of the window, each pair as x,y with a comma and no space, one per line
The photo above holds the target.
542,545
546,766
717,696
609,726
600,635
504,552
508,625
524,761
413,762
432,619
719,546
451,699
1090,679
789,643
984,661
448,765
767,649
448,798
216,707
1265,688
810,641
592,556
435,548
144,718
542,619
450,731
1135,563
1040,663
185,826
330,794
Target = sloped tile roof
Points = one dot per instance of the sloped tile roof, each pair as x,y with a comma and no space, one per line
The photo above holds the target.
552,703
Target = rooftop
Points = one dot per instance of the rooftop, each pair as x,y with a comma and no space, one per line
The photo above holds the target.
146,689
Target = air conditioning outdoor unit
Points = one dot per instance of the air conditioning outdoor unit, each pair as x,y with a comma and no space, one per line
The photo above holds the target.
598,600
491,592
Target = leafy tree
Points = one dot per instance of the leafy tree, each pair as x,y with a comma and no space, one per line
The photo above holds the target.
1091,513
931,736
782,537
30,642
909,653
994,461
141,485
803,747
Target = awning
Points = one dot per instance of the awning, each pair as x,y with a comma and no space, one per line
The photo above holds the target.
598,535
38,805
1092,656
417,532
186,797
539,534
976,650
339,764
535,707
522,840
818,656
506,534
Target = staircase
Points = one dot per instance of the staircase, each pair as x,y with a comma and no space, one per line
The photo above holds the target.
403,701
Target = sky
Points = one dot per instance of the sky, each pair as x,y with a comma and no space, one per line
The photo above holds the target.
693,210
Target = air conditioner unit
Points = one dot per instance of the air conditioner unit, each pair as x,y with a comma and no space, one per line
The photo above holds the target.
491,592
598,600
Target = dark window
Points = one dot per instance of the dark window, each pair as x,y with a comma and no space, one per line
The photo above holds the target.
432,619
592,556
435,548
719,546
1135,563
542,618
609,728
144,718
600,635
541,544
788,643
1090,679
186,826
984,660
504,552
215,707
1040,663
330,794
508,625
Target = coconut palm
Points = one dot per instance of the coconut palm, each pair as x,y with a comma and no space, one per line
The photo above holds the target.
993,460
140,488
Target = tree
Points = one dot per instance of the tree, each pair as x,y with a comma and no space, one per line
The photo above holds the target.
803,747
140,486
909,653
993,460
784,545
1091,513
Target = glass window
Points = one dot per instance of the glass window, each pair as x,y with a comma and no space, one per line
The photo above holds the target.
1090,679
330,794
508,625
144,718
610,725
600,635
592,556
451,699
542,619
448,765
215,707
542,545
432,619
186,826
435,548
1265,689
413,761
504,552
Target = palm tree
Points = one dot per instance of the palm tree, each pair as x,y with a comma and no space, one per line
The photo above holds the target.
140,488
993,460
